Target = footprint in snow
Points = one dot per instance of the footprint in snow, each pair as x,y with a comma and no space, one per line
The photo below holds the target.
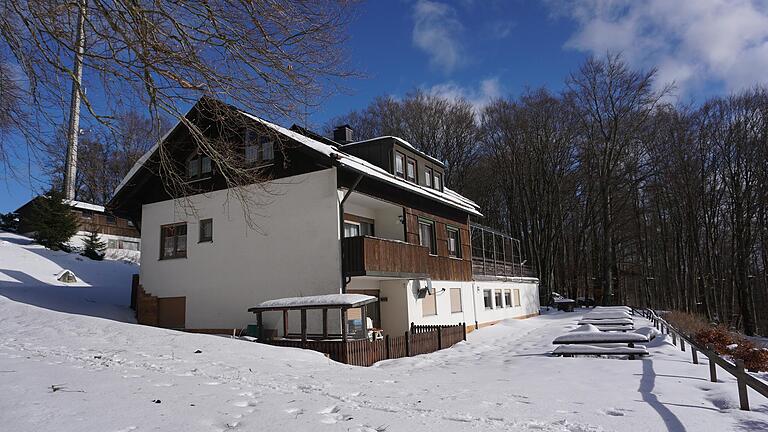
295,411
616,412
331,415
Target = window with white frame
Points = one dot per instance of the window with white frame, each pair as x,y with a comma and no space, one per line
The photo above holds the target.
399,164
497,298
427,235
438,181
428,173
410,170
507,298
198,166
454,242
517,297
488,299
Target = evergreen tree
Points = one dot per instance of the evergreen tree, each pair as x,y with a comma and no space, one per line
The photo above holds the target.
93,246
9,221
52,221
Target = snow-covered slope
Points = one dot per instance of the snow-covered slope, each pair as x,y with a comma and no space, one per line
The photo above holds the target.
28,274
114,376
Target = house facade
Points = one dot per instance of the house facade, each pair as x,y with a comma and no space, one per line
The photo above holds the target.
119,234
337,216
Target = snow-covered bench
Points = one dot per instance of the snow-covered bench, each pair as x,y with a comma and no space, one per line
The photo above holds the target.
588,334
572,350
615,328
607,315
613,322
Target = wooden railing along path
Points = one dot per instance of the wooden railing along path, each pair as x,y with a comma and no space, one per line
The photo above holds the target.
418,340
743,379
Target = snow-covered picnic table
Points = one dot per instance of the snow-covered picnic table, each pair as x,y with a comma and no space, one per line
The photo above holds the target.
580,342
607,315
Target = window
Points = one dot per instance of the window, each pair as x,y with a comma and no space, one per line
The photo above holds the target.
198,166
487,300
429,304
428,173
456,300
517,297
351,229
438,181
357,226
497,298
111,220
427,235
206,230
129,245
259,149
87,214
454,242
112,244
507,298
410,173
173,241
399,164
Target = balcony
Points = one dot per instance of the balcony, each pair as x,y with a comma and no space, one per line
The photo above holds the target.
377,257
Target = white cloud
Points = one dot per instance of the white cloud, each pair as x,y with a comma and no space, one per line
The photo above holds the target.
479,96
690,42
436,31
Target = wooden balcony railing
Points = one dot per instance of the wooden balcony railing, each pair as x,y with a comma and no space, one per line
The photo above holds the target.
372,256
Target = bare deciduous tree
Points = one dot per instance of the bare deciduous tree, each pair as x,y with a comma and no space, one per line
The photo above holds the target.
270,57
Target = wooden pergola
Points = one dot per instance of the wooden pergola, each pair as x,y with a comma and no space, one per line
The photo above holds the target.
342,302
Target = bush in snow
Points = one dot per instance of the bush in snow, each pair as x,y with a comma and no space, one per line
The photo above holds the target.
52,221
93,247
755,358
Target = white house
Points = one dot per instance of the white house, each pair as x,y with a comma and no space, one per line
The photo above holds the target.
337,216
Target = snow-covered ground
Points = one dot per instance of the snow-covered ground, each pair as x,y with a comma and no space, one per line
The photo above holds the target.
116,376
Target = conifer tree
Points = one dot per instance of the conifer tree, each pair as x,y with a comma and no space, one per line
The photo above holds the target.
52,221
93,246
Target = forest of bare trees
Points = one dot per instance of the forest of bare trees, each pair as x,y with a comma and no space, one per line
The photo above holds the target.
615,194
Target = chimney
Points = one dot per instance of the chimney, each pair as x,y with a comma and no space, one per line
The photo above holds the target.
342,134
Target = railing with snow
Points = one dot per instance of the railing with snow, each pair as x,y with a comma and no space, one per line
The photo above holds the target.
743,379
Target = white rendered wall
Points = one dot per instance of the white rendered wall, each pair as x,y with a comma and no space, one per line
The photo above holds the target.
295,251
472,303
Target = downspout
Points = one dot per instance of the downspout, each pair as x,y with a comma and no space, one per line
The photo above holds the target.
341,230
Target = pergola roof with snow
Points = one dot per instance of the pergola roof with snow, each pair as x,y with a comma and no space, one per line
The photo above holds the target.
327,301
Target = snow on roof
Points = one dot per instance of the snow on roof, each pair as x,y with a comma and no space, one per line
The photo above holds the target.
446,196
84,205
318,301
404,143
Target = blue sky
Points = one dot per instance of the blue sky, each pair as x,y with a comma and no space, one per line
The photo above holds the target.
480,50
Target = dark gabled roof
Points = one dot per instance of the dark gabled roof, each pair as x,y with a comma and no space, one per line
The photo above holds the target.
314,135
340,158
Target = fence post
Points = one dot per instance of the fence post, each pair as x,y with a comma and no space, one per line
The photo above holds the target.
674,337
694,356
682,344
439,338
464,329
386,342
407,344
742,383
712,365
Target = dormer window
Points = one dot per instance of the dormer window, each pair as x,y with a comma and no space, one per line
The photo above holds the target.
410,170
199,166
437,181
428,173
259,149
399,164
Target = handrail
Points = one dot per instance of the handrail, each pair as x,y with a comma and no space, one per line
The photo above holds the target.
743,379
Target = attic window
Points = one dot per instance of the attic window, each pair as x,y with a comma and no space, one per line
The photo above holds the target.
258,148
438,181
410,170
400,165
199,166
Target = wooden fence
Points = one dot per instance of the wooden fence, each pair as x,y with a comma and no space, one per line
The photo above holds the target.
419,340
743,379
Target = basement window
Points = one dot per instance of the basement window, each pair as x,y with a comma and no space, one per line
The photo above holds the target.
497,298
487,299
507,298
